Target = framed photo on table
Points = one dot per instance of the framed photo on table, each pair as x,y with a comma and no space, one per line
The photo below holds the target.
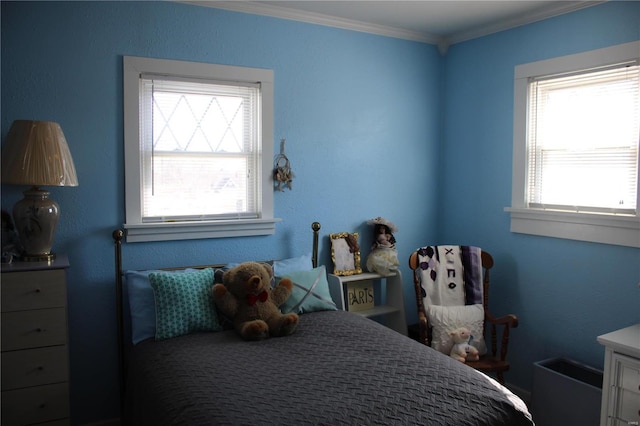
345,253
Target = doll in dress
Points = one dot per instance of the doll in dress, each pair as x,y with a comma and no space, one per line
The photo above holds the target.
383,258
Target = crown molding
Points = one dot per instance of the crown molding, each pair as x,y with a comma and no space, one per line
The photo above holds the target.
443,42
258,8
548,12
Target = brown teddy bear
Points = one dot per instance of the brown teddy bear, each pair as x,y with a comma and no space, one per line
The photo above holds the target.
246,297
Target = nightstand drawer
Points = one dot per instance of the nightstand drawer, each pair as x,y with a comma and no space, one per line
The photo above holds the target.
32,367
629,409
35,405
33,290
32,329
629,370
627,384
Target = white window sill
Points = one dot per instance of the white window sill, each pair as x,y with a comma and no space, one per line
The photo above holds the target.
168,231
598,228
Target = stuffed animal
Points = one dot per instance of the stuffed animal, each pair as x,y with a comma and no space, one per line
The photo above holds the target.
246,297
462,349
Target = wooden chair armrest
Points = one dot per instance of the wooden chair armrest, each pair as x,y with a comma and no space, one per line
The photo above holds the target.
506,322
509,320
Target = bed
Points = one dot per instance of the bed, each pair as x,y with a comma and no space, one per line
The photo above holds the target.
338,368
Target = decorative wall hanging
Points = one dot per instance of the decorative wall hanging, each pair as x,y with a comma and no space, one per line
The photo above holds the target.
282,173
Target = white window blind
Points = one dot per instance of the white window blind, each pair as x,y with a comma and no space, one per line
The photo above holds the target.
582,140
200,149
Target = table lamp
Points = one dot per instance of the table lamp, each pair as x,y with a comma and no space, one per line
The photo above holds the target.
36,153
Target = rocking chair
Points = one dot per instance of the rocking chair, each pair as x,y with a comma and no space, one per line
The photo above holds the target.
495,360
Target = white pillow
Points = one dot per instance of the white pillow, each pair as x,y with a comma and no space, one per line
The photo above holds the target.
445,319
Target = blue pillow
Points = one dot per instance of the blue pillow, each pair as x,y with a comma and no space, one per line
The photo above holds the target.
310,292
184,303
142,303
293,264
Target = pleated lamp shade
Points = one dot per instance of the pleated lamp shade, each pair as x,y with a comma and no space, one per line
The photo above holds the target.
36,153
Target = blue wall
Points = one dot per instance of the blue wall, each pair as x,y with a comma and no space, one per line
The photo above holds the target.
565,293
374,126
360,114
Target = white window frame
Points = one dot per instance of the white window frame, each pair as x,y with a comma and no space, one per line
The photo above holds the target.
623,230
138,231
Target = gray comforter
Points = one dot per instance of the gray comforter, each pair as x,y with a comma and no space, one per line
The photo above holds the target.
337,369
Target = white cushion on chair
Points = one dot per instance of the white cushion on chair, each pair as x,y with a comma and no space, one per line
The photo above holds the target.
445,319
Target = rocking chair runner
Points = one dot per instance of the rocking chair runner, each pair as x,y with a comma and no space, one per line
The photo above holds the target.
491,362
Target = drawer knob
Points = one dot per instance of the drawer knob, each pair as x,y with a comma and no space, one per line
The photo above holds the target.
41,330
40,367
42,405
38,290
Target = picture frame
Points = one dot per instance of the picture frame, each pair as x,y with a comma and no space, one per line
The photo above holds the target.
345,253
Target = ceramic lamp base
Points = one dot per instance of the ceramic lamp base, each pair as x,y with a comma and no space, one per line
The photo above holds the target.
36,218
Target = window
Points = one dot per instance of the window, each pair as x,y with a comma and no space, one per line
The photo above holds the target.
576,137
198,150
583,140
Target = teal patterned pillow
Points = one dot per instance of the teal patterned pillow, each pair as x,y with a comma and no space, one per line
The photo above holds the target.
184,303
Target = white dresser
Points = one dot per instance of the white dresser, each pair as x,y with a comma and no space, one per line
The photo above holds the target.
621,382
35,364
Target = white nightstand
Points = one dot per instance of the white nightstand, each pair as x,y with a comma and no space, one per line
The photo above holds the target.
35,362
391,310
621,381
